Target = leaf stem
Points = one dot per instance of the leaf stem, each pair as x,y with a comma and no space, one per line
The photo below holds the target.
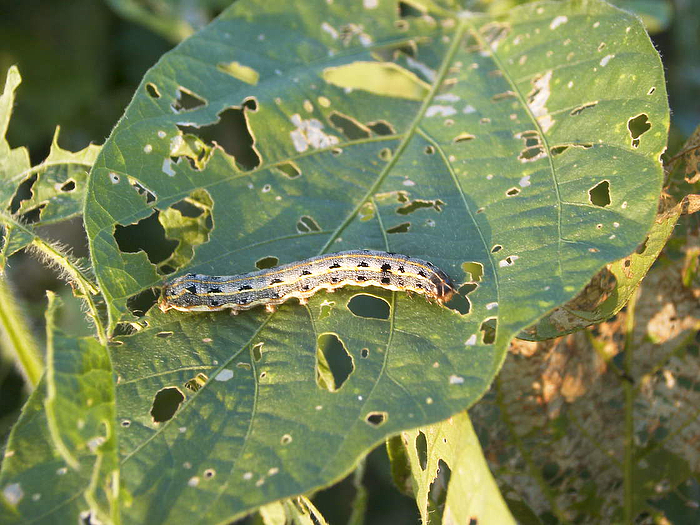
17,339
629,393
54,255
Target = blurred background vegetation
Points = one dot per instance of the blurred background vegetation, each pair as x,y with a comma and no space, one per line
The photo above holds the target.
82,60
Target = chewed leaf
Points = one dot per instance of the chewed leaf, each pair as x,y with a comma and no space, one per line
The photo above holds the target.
49,192
517,155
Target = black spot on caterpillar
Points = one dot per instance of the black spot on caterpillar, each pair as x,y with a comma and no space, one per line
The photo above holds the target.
270,287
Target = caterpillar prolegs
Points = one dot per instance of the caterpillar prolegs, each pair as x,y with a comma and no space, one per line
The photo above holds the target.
391,271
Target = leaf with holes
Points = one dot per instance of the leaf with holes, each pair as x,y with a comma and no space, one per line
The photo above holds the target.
449,477
518,154
50,192
61,457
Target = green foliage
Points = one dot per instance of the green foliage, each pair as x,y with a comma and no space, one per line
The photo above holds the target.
519,153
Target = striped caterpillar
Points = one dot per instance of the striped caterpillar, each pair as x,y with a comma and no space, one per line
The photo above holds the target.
204,293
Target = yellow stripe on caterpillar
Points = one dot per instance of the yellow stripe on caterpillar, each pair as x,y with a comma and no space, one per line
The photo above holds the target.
391,271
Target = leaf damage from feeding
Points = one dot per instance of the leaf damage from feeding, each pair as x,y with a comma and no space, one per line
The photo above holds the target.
385,79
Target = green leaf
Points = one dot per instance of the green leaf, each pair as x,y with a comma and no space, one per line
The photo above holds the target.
610,290
60,460
451,480
530,162
56,187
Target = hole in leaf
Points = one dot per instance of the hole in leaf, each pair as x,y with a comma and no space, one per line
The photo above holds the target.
164,334
267,262
140,303
146,235
376,418
642,247
418,204
32,215
333,362
638,126
187,209
474,270
407,9
237,70
463,137
579,109
399,228
369,306
513,192
381,127
232,133
531,154
364,353
186,100
326,309
429,150
502,96
190,222
385,154
257,351
165,404
437,493
422,450
307,224
152,90
496,248
350,127
196,382
142,190
24,192
289,170
459,301
68,186
599,195
488,329
558,150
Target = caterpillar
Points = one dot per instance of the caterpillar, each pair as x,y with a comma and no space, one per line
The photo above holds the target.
392,271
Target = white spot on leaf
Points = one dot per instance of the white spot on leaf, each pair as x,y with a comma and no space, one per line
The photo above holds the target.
168,167
325,26
559,20
428,73
13,493
471,341
538,100
456,380
444,111
224,375
309,133
448,97
525,181
604,61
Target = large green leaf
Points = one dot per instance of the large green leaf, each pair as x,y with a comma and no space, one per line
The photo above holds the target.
519,154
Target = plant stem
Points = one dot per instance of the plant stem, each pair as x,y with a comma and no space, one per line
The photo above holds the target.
17,339
629,393
52,254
